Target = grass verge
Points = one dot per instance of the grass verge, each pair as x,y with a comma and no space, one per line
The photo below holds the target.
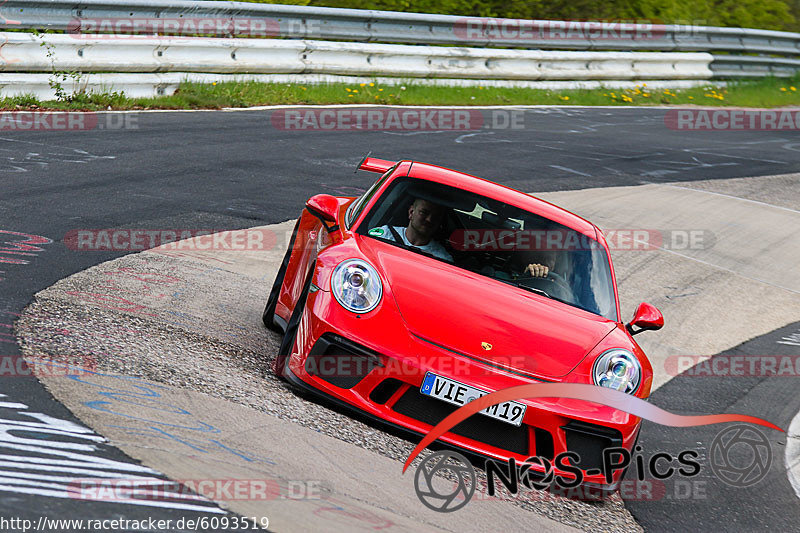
768,92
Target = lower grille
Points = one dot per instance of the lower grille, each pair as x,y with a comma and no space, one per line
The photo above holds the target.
479,427
544,443
385,390
339,361
589,441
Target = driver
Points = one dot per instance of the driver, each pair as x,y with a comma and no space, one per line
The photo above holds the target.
424,220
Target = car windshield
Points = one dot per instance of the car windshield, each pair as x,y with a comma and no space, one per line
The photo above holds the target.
494,239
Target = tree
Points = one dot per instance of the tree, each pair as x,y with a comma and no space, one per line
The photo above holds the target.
765,14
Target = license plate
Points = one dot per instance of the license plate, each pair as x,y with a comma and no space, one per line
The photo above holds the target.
451,391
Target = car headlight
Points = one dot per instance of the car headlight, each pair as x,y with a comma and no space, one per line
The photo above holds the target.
356,285
617,369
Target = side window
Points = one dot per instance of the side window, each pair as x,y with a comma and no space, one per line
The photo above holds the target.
357,206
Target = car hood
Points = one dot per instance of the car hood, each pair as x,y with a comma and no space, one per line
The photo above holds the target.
460,311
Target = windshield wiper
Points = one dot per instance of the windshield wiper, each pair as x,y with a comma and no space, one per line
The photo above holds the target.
534,289
556,298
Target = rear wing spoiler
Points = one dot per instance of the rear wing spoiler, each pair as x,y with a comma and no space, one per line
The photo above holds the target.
373,164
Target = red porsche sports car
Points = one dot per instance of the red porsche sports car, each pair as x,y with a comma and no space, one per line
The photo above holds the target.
436,287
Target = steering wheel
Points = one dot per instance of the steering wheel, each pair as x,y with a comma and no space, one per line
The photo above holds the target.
552,280
559,280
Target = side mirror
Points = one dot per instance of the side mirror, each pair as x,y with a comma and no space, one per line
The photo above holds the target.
646,317
326,208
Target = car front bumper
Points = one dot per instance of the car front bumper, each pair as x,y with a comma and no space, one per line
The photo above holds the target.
377,368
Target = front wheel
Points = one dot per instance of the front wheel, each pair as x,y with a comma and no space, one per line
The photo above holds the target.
291,328
272,302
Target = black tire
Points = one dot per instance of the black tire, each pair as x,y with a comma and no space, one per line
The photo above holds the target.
272,302
291,328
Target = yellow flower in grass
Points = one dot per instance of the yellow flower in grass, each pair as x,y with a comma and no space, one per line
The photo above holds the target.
362,84
355,90
379,90
347,89
792,88
371,84
214,83
349,95
783,89
565,98
691,98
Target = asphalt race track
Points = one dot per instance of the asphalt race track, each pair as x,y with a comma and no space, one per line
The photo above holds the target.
234,169
773,499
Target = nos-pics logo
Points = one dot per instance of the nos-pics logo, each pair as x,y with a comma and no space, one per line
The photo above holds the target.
740,456
434,479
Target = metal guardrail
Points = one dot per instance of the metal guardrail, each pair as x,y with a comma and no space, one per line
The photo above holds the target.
467,47
731,66
147,85
729,45
24,52
27,58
